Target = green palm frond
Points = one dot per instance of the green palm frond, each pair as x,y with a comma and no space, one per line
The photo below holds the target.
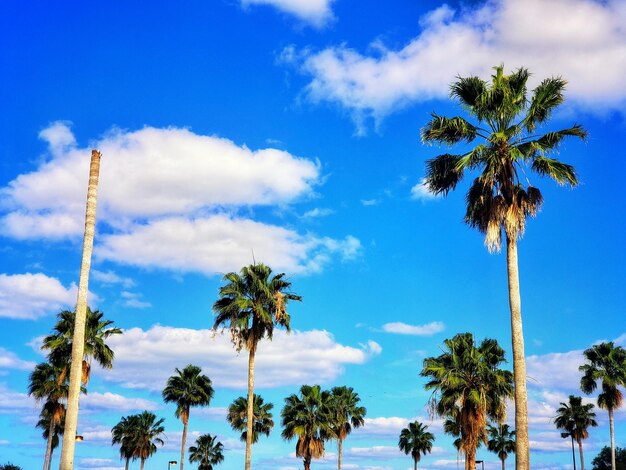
560,172
546,97
468,90
448,131
443,173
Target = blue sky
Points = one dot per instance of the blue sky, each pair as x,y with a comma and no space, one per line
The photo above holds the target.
290,128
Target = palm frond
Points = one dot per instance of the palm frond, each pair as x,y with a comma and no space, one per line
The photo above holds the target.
468,90
560,172
546,97
448,131
443,173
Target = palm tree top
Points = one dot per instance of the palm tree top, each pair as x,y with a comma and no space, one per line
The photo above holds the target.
416,440
575,417
262,415
187,388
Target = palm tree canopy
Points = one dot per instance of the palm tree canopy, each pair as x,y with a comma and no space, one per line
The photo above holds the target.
416,440
52,412
252,303
307,417
238,417
47,382
606,363
124,433
345,412
575,418
187,388
501,197
501,440
207,452
138,435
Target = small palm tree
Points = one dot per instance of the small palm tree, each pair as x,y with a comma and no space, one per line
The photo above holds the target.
307,418
469,386
238,417
345,414
251,304
147,432
416,440
606,363
187,388
576,419
501,196
207,452
123,433
51,426
501,441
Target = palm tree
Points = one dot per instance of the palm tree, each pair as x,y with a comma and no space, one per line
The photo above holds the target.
452,426
416,440
52,427
605,363
576,418
345,414
251,304
468,386
501,197
187,388
123,433
147,432
78,333
207,452
48,382
307,417
238,417
501,441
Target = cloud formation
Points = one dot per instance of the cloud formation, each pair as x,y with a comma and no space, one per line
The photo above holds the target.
33,295
315,12
428,329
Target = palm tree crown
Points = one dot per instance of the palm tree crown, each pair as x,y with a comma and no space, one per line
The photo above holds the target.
345,414
501,441
207,452
416,440
123,433
576,419
263,422
147,433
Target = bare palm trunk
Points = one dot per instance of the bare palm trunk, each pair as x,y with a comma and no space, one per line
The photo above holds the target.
250,417
182,450
143,461
580,450
414,464
307,463
47,461
50,460
127,463
612,430
339,451
522,451
502,464
78,339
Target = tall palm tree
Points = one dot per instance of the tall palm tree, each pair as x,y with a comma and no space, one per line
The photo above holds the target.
307,418
123,433
345,414
147,432
501,197
468,385
576,419
78,333
606,363
52,427
251,303
501,441
187,388
48,383
207,452
416,440
238,417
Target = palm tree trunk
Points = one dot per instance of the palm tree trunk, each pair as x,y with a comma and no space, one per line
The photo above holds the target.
414,464
250,415
307,463
142,462
127,463
522,451
48,459
339,451
78,340
470,459
502,464
182,450
612,430
580,450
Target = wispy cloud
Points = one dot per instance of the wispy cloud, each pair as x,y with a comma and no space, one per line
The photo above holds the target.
428,329
314,12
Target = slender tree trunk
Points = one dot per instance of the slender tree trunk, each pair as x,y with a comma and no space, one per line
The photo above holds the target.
50,460
250,416
127,463
502,464
142,462
522,451
182,450
78,339
307,463
612,430
339,451
414,464
47,461
580,450
470,459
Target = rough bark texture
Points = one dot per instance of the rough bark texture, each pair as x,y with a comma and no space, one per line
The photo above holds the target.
522,451
470,459
339,450
47,461
78,339
580,450
182,450
612,430
250,417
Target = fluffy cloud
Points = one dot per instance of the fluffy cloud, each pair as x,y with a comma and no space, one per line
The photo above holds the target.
9,360
95,401
145,359
175,191
416,330
30,296
587,46
555,370
315,12
420,192
110,278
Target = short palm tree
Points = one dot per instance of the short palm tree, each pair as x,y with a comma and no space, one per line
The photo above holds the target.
238,417
307,418
501,197
416,440
501,441
147,433
52,427
251,303
468,385
207,452
345,414
123,434
187,388
605,363
576,419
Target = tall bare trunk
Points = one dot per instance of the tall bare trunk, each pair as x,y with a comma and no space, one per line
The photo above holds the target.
502,464
182,450
340,452
143,461
580,450
414,464
78,339
522,450
612,430
127,463
48,459
250,415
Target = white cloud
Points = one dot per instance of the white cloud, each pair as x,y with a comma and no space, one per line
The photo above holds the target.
370,202
145,359
589,37
555,370
95,401
33,295
318,212
9,360
428,329
12,402
420,192
110,277
390,426
315,12
133,300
